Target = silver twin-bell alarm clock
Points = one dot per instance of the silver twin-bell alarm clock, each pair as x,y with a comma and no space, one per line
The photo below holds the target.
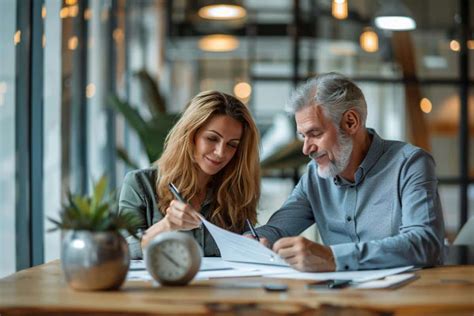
173,258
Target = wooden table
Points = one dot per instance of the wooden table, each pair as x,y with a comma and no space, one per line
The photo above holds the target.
42,291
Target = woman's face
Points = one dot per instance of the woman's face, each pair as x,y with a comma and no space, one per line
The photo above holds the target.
216,143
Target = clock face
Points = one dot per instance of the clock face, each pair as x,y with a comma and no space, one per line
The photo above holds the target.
173,258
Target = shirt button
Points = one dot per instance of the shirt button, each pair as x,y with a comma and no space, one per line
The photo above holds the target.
346,267
348,218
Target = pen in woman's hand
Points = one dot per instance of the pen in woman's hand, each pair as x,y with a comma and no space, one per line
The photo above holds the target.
252,230
179,197
176,193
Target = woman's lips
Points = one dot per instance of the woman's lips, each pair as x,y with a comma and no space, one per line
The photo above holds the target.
214,162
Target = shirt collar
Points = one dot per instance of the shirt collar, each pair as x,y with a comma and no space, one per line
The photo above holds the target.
372,156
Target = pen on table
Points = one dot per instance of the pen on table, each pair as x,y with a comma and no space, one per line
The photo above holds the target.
329,284
339,284
252,230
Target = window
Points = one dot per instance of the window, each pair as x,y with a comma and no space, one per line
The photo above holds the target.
8,39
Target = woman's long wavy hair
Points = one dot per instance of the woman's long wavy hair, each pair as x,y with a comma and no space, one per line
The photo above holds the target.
236,188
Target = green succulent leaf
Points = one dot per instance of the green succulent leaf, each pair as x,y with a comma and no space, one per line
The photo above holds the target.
98,212
99,191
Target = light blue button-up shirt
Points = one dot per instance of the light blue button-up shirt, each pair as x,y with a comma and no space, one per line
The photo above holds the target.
390,216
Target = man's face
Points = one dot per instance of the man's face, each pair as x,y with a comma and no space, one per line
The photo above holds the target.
323,141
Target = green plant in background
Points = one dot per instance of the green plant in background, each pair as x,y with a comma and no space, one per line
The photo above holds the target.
96,213
151,132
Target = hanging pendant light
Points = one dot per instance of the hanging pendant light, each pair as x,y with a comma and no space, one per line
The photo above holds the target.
222,10
395,16
339,9
218,43
369,40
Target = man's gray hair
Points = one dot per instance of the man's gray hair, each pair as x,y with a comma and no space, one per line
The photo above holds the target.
335,94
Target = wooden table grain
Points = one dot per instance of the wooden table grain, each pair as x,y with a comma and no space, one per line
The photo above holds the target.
42,290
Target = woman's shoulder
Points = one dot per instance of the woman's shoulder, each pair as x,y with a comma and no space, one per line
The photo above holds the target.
144,178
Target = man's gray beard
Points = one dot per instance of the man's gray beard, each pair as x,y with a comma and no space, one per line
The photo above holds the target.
341,158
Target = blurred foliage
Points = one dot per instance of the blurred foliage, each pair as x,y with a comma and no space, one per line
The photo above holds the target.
152,131
96,213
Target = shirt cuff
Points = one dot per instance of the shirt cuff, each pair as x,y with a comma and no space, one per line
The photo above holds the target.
135,246
346,257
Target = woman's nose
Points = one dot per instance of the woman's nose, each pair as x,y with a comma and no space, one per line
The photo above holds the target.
219,149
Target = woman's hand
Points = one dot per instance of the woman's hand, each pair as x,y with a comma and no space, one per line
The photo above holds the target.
179,216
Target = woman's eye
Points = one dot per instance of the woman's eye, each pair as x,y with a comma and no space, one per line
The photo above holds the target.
212,139
233,145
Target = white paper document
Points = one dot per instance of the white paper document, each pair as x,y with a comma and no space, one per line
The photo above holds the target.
391,281
211,267
214,264
234,247
355,276
236,269
137,265
233,273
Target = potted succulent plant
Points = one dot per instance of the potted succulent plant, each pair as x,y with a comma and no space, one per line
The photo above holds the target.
94,254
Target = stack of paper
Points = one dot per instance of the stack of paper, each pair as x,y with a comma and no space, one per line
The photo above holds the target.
234,247
242,257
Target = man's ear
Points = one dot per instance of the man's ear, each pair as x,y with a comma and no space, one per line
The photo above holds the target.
351,121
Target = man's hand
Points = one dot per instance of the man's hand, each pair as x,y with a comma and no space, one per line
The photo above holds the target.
305,255
263,240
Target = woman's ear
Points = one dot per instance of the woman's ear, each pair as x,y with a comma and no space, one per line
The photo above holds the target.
351,121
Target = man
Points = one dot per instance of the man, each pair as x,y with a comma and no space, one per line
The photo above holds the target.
375,201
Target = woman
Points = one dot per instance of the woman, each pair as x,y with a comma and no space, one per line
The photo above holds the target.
211,155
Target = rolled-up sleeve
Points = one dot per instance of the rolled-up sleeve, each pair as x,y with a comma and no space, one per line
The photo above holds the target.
292,218
131,200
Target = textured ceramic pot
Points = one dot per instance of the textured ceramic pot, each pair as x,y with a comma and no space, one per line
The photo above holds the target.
94,260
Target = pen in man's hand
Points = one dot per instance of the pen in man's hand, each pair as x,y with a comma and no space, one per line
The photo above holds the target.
252,230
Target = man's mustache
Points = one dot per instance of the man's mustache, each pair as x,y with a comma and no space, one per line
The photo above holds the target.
316,155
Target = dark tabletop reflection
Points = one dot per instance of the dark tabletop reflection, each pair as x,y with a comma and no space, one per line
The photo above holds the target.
460,254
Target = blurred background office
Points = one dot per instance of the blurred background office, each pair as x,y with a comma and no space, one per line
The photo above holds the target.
89,87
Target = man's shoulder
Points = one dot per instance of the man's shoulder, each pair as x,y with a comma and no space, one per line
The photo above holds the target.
400,149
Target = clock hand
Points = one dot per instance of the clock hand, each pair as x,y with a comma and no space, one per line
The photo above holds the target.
170,259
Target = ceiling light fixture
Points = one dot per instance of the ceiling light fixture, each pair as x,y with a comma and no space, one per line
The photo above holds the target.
455,46
394,16
369,41
242,90
218,43
425,105
470,44
339,9
222,12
